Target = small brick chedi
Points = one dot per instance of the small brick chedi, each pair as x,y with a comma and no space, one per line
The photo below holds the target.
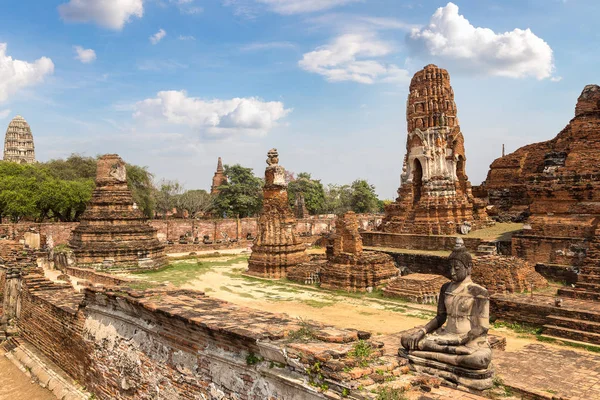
113,233
435,194
219,178
350,268
18,142
277,245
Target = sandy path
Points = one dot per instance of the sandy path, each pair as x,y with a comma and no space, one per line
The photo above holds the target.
226,283
15,385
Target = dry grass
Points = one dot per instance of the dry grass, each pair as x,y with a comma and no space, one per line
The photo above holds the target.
499,231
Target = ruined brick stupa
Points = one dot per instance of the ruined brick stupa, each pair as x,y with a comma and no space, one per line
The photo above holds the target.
277,245
435,193
18,142
219,178
113,233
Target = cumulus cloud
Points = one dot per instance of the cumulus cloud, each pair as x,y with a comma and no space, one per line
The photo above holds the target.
157,37
16,74
188,37
111,14
212,117
86,56
352,57
454,42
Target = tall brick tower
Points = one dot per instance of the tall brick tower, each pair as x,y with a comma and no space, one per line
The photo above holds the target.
435,193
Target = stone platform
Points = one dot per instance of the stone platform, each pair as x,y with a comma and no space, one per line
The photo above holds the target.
566,374
420,288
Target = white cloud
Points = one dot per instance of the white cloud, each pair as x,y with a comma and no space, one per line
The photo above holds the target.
249,8
211,117
189,37
86,56
455,43
258,46
157,37
111,14
16,74
287,7
187,6
4,113
350,57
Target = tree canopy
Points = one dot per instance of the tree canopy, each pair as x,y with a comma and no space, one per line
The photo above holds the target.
311,189
241,195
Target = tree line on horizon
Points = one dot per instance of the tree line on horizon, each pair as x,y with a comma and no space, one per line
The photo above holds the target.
58,190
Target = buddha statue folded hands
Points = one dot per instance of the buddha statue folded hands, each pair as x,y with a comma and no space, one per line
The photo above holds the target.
458,351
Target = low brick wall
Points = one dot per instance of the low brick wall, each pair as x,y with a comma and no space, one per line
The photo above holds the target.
416,242
2,286
421,263
95,277
518,309
173,229
550,250
51,322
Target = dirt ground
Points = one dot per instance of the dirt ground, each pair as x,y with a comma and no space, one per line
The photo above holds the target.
15,385
364,312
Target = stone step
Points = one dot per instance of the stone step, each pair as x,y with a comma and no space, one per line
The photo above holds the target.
578,313
590,270
589,286
572,334
581,294
577,343
574,323
588,279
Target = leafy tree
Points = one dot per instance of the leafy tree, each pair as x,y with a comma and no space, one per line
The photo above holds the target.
241,196
166,195
139,181
338,199
195,202
73,168
363,199
311,189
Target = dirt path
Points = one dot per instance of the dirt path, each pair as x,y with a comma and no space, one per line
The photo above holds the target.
15,385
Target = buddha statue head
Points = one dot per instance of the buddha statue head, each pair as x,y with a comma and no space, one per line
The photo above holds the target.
461,262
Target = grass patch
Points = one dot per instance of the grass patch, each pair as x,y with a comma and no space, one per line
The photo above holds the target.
181,272
142,285
499,231
361,351
366,313
226,289
518,328
317,303
304,333
388,393
421,315
246,295
588,347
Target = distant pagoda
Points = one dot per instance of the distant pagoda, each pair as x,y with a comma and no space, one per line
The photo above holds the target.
219,179
113,233
18,142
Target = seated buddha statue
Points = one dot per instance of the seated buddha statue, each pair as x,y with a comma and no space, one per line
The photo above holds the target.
459,349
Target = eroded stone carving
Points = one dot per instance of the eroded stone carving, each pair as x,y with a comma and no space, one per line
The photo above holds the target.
454,344
18,142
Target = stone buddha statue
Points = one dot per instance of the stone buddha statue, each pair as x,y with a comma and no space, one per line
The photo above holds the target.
457,351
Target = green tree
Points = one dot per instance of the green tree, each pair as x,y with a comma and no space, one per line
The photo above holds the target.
311,189
363,199
195,202
241,196
338,199
166,195
139,181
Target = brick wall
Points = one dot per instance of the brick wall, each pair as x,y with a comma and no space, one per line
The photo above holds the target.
551,250
95,277
55,330
2,285
416,242
173,229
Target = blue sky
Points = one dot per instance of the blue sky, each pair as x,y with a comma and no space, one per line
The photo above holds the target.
174,84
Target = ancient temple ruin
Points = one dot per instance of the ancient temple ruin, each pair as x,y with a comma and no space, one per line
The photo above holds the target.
556,183
277,245
435,193
18,142
113,233
219,178
345,265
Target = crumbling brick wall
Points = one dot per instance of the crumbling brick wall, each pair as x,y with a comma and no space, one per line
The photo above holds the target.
416,242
